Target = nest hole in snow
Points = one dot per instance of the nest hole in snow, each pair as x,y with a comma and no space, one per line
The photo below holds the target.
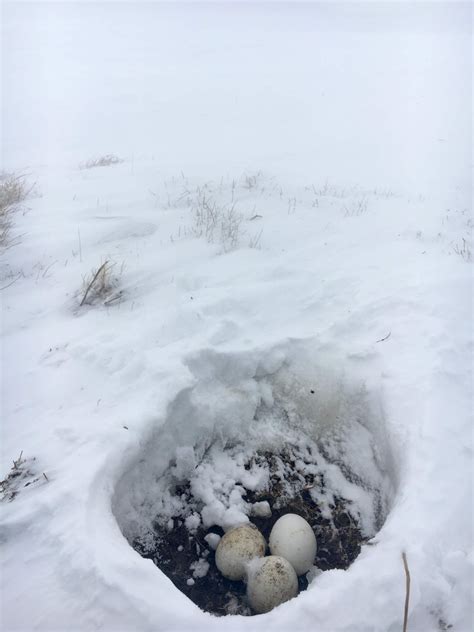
280,439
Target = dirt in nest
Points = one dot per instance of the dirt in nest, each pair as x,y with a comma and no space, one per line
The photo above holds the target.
174,551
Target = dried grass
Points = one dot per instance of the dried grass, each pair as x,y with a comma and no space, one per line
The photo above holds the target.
101,286
13,191
217,223
102,161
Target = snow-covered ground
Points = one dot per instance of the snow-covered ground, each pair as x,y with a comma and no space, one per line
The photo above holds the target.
292,213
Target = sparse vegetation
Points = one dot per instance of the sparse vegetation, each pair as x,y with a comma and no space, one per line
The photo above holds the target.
102,161
254,242
13,191
356,208
251,181
217,214
463,249
291,205
216,222
332,190
407,592
20,476
211,219
101,286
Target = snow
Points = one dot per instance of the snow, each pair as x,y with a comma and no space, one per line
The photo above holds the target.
185,462
338,289
213,540
200,568
261,509
192,522
296,421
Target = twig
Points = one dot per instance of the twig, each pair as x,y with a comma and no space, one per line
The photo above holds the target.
255,240
14,242
94,279
18,461
407,591
48,267
386,337
114,298
11,283
256,216
46,477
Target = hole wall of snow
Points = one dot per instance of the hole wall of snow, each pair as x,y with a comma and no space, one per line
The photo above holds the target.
263,400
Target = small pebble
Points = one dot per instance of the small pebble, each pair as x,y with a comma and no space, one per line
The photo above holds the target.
190,581
180,548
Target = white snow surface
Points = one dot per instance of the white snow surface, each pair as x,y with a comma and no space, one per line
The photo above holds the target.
341,133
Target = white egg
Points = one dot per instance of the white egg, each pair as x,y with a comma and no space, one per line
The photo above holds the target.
270,581
236,548
293,539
